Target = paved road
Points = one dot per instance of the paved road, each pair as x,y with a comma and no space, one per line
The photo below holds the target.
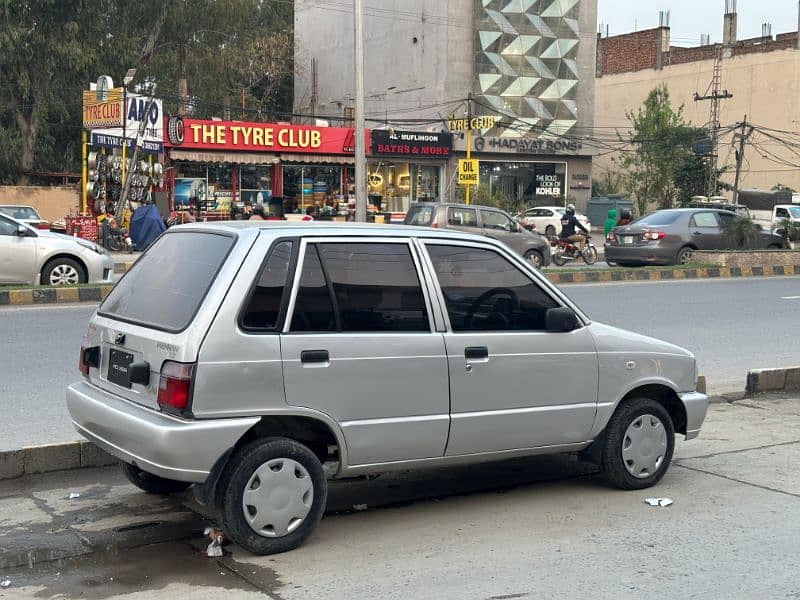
544,527
732,326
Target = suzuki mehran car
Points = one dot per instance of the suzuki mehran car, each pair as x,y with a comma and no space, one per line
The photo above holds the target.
254,359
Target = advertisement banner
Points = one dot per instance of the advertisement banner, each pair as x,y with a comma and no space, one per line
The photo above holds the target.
135,114
102,109
261,137
410,143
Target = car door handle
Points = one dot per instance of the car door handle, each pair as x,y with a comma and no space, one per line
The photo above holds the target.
476,353
697,233
314,356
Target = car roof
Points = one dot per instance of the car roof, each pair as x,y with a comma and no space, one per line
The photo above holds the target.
456,204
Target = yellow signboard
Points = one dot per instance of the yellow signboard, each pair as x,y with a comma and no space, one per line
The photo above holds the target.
467,172
485,122
102,110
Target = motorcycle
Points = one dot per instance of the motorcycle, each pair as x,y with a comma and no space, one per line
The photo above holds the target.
117,239
563,251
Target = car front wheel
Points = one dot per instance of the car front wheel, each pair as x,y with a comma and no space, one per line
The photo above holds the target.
535,258
640,439
273,495
63,271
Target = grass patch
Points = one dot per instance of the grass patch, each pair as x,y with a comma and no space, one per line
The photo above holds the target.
689,265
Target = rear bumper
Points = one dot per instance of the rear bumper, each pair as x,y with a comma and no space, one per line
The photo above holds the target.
696,405
647,254
157,443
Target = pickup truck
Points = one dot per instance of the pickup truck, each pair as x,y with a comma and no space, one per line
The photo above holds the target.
773,219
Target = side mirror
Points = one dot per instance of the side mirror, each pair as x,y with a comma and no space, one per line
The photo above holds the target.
22,231
561,320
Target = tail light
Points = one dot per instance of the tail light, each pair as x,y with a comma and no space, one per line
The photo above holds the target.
611,237
42,225
89,356
652,236
435,225
175,386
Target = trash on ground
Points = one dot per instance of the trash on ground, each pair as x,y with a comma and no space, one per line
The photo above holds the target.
5,583
73,495
217,538
658,501
359,507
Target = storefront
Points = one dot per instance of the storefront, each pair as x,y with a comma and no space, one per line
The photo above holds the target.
531,172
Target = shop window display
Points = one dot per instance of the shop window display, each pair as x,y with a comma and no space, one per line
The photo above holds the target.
220,187
309,186
398,184
255,184
525,183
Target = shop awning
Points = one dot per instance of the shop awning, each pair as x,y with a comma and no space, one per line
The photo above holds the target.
242,158
318,159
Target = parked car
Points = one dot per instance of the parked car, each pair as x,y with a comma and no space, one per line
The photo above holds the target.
669,237
547,219
281,353
489,221
32,256
26,214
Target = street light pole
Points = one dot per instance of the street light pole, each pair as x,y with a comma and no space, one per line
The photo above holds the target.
361,158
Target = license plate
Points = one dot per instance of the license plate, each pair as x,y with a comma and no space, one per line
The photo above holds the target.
627,239
119,363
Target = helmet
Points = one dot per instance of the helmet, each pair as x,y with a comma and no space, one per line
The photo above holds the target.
570,209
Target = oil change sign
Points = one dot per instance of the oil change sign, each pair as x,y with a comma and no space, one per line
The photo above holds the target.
467,172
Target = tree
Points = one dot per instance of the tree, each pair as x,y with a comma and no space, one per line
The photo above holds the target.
609,182
661,144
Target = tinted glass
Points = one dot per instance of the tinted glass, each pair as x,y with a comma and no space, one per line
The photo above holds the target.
376,287
19,212
658,219
704,219
462,217
781,213
166,286
264,307
419,215
7,227
726,219
485,292
313,309
496,220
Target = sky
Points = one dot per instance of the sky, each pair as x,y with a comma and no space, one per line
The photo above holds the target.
691,18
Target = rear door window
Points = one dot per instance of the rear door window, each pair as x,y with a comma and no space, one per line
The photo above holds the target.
166,286
462,217
420,216
704,219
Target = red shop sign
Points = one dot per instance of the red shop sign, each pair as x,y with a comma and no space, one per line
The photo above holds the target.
264,137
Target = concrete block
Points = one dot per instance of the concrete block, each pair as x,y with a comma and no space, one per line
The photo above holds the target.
793,379
51,457
93,456
765,380
11,465
67,295
20,297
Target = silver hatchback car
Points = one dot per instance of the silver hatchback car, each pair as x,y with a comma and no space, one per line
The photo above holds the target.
255,360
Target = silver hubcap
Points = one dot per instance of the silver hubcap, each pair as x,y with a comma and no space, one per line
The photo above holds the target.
686,256
64,275
533,258
644,446
278,497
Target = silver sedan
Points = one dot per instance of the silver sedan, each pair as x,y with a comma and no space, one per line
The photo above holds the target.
32,256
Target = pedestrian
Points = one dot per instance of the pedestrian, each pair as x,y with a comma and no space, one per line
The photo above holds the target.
611,222
258,213
625,218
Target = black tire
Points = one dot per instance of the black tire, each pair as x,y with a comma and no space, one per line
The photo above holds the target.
241,467
558,260
590,255
153,484
614,464
534,257
549,231
63,265
114,244
684,255
774,247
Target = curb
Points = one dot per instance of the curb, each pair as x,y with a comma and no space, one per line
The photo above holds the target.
604,276
53,295
760,381
52,457
121,267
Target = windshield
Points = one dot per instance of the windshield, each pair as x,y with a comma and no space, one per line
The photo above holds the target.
795,212
658,219
19,212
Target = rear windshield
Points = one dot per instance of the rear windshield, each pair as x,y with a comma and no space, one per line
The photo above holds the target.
19,212
419,215
658,219
165,287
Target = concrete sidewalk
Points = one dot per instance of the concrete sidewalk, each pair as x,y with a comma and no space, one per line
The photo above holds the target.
443,533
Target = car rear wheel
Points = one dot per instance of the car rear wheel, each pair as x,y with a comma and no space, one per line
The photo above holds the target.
550,231
63,271
684,255
153,484
640,439
273,495
534,258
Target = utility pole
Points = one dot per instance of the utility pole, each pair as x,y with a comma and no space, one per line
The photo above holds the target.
469,142
126,187
743,136
714,94
361,157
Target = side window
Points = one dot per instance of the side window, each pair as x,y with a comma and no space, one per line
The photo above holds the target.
495,220
781,213
703,219
264,308
376,287
726,219
462,217
7,227
313,308
483,291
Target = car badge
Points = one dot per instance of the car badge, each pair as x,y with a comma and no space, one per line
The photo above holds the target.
119,339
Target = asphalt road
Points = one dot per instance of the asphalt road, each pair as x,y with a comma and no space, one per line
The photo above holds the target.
731,325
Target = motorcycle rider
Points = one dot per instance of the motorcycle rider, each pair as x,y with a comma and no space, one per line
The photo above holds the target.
568,224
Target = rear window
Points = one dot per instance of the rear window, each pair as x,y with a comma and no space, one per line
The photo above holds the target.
419,215
19,212
658,219
165,287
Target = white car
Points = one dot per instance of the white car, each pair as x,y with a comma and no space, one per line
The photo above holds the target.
26,214
547,219
32,256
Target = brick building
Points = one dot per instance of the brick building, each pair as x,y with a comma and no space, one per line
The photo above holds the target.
762,73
